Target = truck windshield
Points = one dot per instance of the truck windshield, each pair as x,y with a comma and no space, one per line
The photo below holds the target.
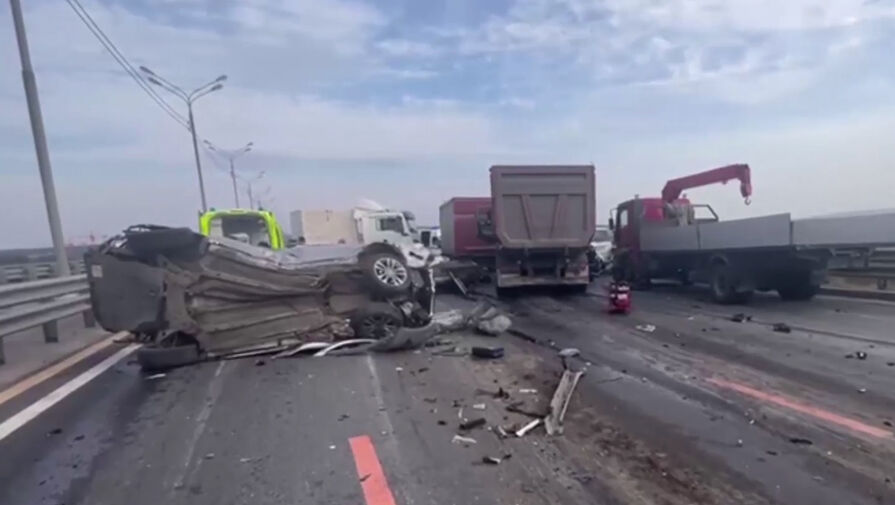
250,229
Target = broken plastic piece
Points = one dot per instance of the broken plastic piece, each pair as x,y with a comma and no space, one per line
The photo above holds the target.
648,328
528,391
155,376
472,424
487,352
459,439
560,401
479,406
491,460
521,432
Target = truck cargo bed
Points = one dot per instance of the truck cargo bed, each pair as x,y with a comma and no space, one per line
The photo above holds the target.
773,231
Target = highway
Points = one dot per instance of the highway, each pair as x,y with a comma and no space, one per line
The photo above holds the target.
699,410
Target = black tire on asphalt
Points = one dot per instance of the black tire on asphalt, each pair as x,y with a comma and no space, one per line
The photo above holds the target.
800,290
723,285
155,358
386,273
376,321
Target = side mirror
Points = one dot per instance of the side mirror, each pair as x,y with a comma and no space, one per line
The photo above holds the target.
611,224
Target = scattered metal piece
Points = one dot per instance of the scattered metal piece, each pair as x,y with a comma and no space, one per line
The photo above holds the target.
528,391
800,441
491,460
461,286
487,352
502,432
341,344
861,355
560,401
569,352
303,348
782,328
862,390
479,406
473,424
155,376
459,439
521,432
516,407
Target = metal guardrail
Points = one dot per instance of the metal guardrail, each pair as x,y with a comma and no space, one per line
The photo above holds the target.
42,303
24,272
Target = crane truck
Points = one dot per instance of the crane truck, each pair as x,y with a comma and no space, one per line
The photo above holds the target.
669,237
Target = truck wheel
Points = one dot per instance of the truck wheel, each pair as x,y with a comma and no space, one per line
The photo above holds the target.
376,321
723,285
387,273
796,291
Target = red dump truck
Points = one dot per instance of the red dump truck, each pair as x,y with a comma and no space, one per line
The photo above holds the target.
534,230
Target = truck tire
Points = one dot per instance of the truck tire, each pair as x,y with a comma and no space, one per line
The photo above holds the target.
798,290
386,273
724,286
376,321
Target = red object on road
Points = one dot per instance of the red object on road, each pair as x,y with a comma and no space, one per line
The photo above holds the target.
619,298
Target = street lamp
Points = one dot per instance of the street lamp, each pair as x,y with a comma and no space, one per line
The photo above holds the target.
249,183
232,155
189,98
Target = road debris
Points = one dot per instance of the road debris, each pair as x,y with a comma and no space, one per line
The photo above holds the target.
260,362
862,390
888,423
487,352
861,355
459,439
800,441
740,317
491,460
782,328
343,344
495,325
516,408
521,432
528,391
479,406
155,376
210,455
473,424
648,328
364,477
560,401
54,431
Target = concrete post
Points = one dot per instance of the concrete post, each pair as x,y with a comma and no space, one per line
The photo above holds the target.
51,332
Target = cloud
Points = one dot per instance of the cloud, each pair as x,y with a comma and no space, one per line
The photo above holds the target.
408,48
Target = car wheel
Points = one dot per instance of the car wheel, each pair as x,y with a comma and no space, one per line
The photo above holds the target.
387,273
377,321
154,358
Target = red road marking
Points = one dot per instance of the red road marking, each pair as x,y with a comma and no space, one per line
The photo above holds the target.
825,415
369,471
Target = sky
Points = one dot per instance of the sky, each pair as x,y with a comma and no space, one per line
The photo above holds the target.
408,102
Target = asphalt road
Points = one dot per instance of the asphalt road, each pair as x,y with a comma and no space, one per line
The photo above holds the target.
700,410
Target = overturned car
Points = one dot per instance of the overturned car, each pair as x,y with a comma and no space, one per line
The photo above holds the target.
191,297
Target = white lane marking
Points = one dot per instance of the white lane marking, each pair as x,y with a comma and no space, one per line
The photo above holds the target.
211,397
40,406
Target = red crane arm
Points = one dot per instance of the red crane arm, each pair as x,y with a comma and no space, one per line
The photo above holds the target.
673,188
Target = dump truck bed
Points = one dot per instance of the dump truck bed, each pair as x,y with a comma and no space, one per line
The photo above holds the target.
543,207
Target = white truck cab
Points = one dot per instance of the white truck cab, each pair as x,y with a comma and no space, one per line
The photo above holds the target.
387,226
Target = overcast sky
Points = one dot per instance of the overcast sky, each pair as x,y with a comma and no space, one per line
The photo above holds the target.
407,102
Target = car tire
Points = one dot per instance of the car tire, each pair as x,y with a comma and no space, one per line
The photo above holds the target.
156,358
386,273
376,321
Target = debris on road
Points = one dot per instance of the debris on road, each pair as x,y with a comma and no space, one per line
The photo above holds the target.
260,362
782,328
648,328
888,423
155,376
493,322
209,455
342,344
459,439
516,408
740,317
521,432
800,441
479,406
473,424
861,355
528,391
862,390
487,352
491,460
55,431
560,401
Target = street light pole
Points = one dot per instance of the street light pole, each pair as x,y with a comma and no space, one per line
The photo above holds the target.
40,142
189,98
231,156
189,105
